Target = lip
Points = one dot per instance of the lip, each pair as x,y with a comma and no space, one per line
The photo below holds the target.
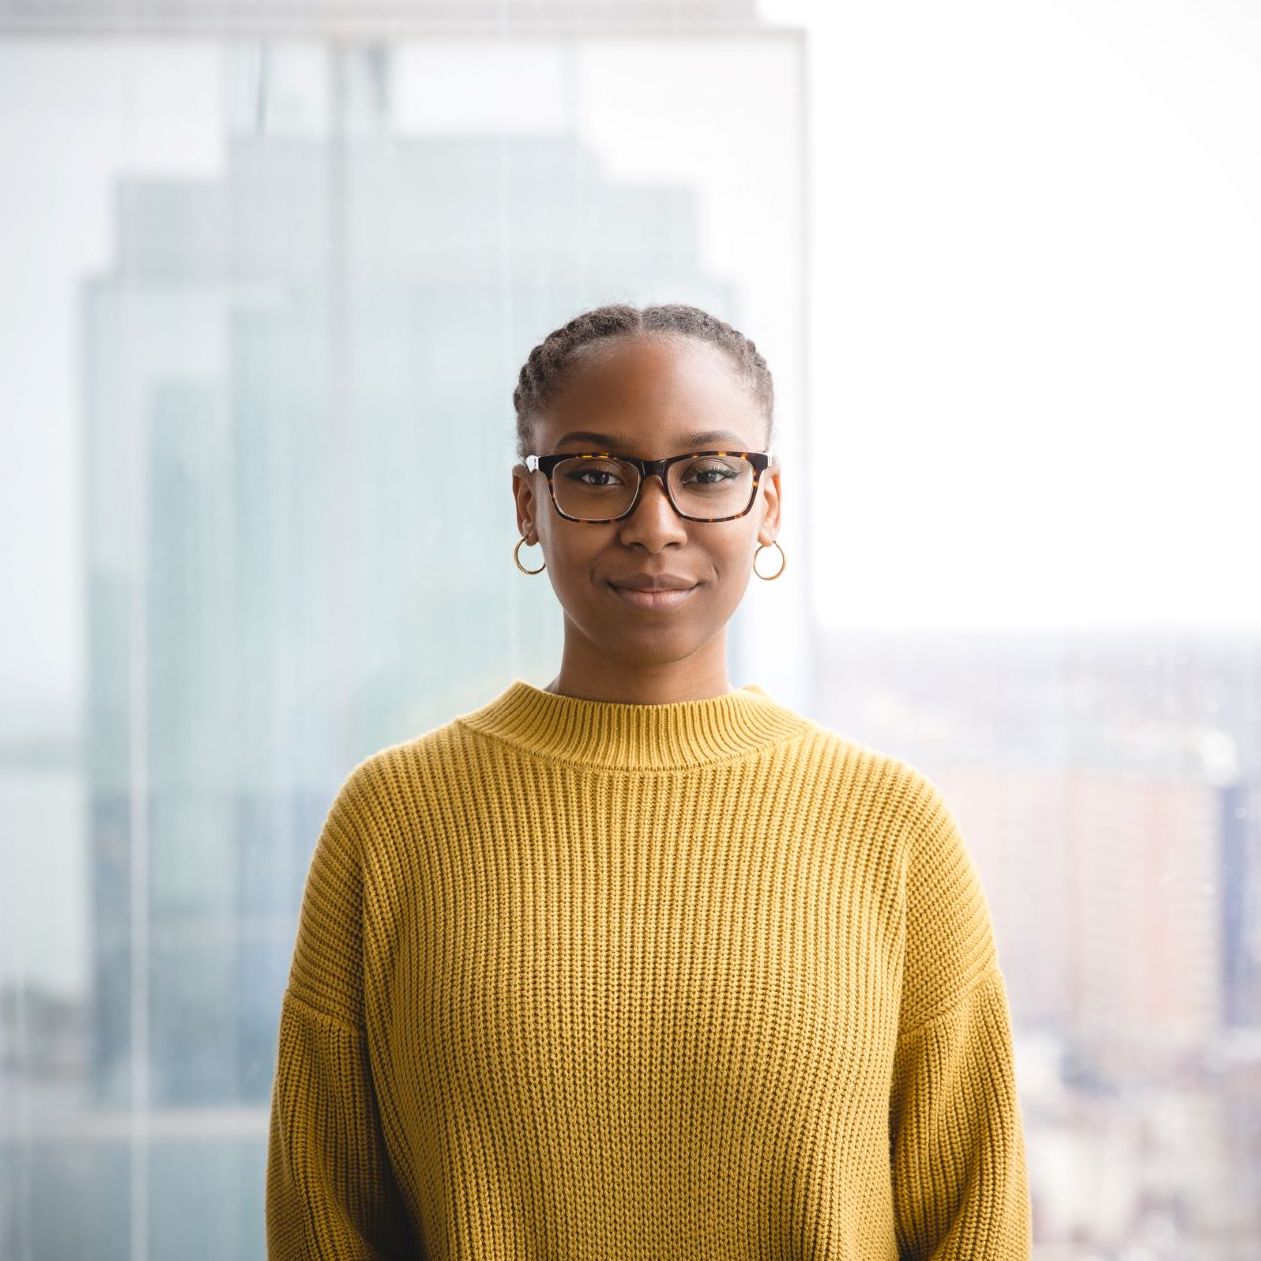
662,598
645,581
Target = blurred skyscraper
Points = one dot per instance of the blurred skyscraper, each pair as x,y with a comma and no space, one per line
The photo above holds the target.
297,436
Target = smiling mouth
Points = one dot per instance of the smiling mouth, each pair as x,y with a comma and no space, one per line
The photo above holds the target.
657,599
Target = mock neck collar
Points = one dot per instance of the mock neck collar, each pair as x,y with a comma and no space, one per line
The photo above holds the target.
617,735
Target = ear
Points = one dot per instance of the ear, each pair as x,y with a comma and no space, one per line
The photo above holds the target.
526,502
769,488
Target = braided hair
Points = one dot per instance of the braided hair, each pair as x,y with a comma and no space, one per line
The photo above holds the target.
543,372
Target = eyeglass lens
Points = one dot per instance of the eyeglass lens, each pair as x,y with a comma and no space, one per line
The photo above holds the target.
596,488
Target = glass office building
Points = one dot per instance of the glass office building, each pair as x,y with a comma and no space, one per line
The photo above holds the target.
299,287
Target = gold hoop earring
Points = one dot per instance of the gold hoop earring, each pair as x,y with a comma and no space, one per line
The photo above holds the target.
782,563
517,558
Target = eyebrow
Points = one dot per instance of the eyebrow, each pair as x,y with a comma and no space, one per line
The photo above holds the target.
611,441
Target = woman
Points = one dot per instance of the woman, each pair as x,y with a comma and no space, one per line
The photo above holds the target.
639,964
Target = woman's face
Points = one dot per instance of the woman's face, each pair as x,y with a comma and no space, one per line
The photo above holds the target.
652,396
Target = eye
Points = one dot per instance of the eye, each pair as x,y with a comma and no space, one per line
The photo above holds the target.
710,472
588,473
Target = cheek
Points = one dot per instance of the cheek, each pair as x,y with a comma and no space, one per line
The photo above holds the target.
732,557
574,557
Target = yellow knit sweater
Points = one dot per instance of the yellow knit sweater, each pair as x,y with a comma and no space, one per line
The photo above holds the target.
586,980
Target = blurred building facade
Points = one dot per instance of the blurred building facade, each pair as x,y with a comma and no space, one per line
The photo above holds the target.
1109,789
297,437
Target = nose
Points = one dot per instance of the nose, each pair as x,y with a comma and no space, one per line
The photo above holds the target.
654,521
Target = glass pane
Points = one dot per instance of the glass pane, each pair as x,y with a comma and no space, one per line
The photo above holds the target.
256,291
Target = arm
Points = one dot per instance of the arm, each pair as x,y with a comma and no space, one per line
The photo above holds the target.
330,1191
957,1151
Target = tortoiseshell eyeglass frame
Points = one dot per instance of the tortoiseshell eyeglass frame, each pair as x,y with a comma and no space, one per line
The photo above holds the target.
761,461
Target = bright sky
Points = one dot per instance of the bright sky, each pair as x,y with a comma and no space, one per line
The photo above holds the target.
1037,310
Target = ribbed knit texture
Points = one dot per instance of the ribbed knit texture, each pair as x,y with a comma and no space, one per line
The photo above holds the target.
587,980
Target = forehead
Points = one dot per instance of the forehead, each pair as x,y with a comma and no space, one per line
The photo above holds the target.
646,390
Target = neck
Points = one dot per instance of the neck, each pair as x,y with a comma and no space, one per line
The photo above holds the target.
589,674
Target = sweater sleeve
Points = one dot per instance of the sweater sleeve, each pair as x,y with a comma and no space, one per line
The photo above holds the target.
957,1150
329,1187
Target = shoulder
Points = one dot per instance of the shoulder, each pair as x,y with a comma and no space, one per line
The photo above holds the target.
404,791
903,815
390,783
885,784
908,803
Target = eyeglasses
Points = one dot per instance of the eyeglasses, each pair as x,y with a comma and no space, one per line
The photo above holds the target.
598,487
